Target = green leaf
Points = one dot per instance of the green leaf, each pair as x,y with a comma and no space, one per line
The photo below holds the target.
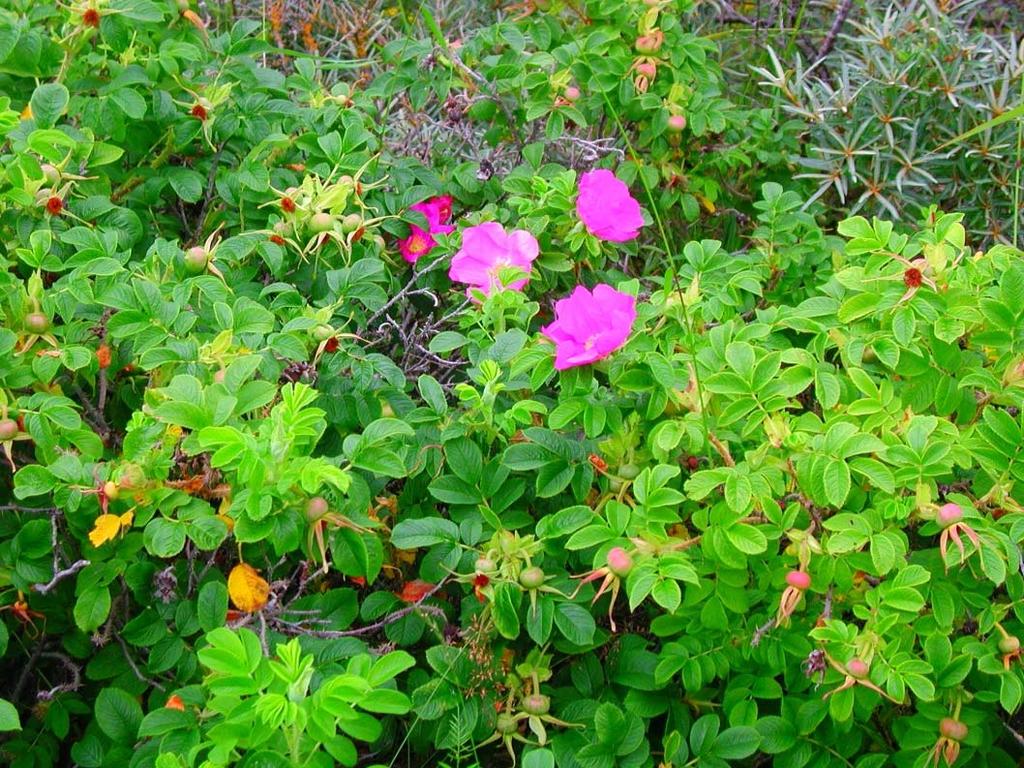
389,666
883,553
379,461
129,102
855,226
453,490
432,393
357,554
777,734
575,622
639,584
231,653
539,758
1010,692
949,329
505,610
736,743
903,325
667,594
118,715
565,522
540,619
553,478
92,608
423,532
212,605
164,720
738,492
704,734
385,701
187,184
446,341
992,564
163,537
836,480
741,359
49,101
859,306
9,720
33,480
904,599
879,475
747,538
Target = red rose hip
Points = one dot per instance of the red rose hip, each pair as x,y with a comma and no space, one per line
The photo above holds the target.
799,580
949,514
619,561
953,729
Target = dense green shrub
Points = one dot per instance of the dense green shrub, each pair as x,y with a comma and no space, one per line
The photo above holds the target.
883,135
280,490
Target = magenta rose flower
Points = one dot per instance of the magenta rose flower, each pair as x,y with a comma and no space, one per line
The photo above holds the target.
606,208
486,250
438,211
589,326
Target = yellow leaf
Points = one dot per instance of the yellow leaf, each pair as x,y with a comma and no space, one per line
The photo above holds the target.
107,527
248,590
224,514
708,205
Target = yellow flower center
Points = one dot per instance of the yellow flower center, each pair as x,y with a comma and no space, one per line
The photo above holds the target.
417,244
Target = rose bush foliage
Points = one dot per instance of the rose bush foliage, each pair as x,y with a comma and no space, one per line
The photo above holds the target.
281,490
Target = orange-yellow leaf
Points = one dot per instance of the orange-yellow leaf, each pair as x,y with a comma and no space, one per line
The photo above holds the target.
107,527
248,590
708,205
414,591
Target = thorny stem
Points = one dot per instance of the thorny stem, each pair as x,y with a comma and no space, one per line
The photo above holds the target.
73,669
1018,737
685,544
158,161
99,421
59,576
723,450
101,397
210,181
687,318
761,631
406,290
134,667
389,619
837,24
101,378
26,672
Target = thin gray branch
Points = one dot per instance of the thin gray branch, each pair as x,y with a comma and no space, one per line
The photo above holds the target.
59,576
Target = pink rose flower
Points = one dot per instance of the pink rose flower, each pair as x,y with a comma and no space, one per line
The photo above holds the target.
486,249
590,326
438,211
606,208
443,205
